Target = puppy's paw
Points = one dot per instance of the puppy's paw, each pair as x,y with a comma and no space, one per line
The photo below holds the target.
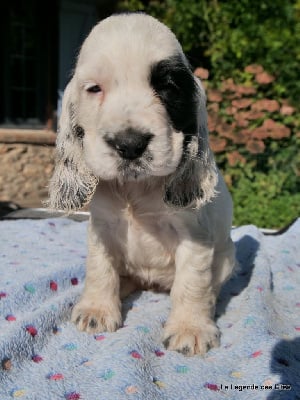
96,319
189,339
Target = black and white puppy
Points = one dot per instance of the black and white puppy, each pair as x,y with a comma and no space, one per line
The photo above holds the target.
133,142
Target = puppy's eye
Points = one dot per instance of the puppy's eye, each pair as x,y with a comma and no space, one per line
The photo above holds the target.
94,89
171,84
166,82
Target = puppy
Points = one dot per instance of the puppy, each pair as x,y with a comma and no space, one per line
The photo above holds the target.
133,142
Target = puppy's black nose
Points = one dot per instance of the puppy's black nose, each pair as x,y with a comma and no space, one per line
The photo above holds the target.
129,144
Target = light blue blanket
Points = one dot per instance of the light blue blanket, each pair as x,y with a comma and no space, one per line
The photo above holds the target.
44,357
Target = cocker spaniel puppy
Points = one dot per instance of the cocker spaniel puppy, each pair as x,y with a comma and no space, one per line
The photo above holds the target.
133,142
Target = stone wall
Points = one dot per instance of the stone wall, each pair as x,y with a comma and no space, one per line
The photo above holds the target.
26,165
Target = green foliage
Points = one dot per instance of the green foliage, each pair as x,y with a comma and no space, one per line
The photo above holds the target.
263,199
131,5
227,35
265,32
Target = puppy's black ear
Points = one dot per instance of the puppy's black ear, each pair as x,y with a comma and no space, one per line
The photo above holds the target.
72,184
194,182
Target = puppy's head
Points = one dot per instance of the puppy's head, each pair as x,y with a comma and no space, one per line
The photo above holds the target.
132,111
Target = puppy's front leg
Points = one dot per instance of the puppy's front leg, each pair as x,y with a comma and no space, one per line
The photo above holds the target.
99,308
190,328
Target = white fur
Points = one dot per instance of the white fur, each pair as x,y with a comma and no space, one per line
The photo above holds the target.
137,237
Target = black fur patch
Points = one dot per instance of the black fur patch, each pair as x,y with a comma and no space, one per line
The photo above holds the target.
174,83
79,131
185,350
185,198
93,323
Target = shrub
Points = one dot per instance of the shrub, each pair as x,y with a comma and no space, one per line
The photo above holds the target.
256,139
262,31
261,198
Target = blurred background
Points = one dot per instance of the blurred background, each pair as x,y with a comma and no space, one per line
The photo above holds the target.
246,53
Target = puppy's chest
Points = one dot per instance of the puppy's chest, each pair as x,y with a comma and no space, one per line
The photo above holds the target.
148,246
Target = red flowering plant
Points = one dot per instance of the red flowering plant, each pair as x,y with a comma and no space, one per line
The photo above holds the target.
255,135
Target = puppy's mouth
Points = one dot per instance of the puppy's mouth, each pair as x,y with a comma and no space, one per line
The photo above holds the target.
135,169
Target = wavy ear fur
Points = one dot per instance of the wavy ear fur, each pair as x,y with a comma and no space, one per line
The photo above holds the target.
194,182
72,184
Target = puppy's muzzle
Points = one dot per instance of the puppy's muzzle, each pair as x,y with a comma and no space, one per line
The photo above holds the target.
130,144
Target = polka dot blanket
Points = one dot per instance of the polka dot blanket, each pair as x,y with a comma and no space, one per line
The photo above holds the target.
44,357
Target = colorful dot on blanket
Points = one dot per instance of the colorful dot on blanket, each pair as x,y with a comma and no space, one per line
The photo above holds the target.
18,392
288,288
135,354
210,359
211,386
87,362
70,346
182,369
3,295
249,320
256,354
37,359
236,374
131,390
29,288
53,286
108,374
72,396
144,329
10,318
6,364
32,330
268,382
99,337
159,353
158,383
74,281
55,377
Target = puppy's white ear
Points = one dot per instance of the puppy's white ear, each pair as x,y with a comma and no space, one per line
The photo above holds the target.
194,181
72,184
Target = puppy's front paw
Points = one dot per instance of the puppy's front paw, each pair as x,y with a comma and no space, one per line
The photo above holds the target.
96,319
189,339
